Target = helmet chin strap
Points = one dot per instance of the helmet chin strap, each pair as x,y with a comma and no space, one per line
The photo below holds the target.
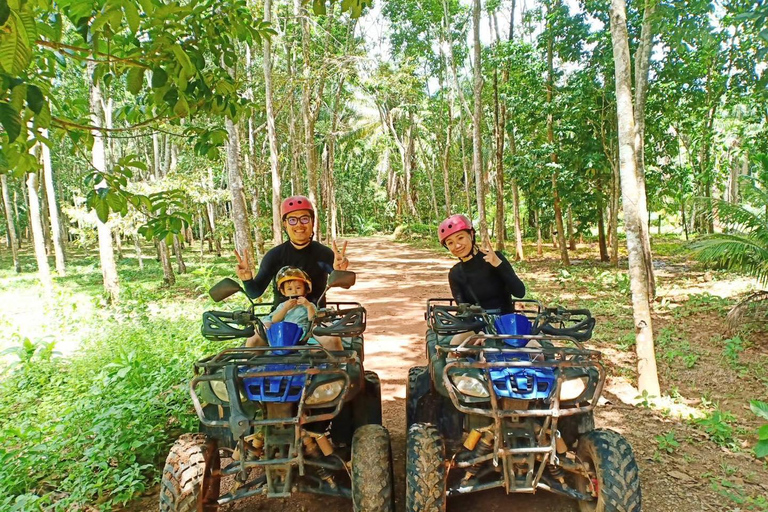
470,255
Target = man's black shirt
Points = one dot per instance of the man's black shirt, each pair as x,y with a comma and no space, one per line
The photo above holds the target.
315,259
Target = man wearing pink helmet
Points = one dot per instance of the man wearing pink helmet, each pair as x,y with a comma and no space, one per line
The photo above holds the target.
482,276
299,251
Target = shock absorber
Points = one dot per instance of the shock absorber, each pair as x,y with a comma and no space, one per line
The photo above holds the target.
484,447
312,451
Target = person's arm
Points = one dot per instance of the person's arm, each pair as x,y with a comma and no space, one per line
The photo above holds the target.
512,283
457,290
283,310
256,287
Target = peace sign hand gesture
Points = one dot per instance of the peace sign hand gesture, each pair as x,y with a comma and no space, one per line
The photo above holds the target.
243,272
340,261
490,255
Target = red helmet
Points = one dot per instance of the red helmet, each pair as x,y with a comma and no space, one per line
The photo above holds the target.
454,224
295,203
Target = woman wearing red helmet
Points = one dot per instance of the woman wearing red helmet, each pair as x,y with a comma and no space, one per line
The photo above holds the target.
482,276
299,251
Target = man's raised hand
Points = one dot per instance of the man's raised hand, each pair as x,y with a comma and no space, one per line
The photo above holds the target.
340,261
241,269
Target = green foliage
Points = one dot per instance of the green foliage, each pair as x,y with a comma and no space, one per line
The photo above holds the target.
718,425
667,443
760,409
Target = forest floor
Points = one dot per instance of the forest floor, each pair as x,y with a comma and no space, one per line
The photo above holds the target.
693,446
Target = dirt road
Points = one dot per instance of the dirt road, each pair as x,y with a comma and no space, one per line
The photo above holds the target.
393,283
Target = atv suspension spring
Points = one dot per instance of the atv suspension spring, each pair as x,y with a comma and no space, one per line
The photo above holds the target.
326,476
484,447
556,472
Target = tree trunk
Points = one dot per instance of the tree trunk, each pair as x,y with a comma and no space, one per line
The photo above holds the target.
169,279
647,380
118,244
642,65
243,241
277,228
499,129
137,246
44,271
614,227
53,209
477,120
539,241
551,140
179,258
156,155
447,162
571,239
10,223
601,223
106,252
519,255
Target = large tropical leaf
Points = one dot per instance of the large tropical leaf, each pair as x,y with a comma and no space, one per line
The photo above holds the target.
15,49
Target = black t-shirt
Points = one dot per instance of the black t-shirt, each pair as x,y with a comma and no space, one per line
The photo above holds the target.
315,259
478,282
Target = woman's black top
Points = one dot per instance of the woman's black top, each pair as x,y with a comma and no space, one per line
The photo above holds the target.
315,259
476,281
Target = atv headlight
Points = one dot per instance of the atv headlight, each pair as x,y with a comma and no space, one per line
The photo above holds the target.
572,389
326,392
219,388
470,386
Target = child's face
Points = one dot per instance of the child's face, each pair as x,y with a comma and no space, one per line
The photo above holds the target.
294,288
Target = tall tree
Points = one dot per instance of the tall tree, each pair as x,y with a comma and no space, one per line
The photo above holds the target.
53,207
43,269
477,122
647,377
10,224
277,229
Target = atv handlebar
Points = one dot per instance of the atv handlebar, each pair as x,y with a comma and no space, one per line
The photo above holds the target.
559,321
229,325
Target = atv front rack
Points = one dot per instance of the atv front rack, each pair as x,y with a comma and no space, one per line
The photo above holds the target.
231,366
548,356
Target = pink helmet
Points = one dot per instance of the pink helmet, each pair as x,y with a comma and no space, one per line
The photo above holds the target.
454,224
295,203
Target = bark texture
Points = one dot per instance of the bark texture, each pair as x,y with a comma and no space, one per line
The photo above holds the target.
11,225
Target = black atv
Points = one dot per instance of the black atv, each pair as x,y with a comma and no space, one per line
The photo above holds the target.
288,417
512,407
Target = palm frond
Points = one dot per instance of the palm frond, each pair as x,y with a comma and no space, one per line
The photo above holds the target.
736,314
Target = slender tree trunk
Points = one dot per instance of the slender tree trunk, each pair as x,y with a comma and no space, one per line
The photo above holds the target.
519,254
169,279
10,223
156,155
106,252
447,162
642,66
648,380
45,218
243,241
179,257
53,209
601,223
137,246
477,121
571,239
539,241
551,140
118,244
614,224
43,269
277,228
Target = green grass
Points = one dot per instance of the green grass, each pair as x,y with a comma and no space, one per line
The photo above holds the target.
93,426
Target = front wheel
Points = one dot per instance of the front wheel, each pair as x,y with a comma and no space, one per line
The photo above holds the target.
425,469
372,484
614,477
191,479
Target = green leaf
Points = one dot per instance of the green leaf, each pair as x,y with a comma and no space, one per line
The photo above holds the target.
10,120
5,12
35,99
132,16
318,7
102,209
135,80
159,78
183,59
762,433
181,108
759,408
15,51
761,449
43,119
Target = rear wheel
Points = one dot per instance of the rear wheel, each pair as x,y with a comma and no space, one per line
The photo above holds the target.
191,479
372,485
614,478
425,469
